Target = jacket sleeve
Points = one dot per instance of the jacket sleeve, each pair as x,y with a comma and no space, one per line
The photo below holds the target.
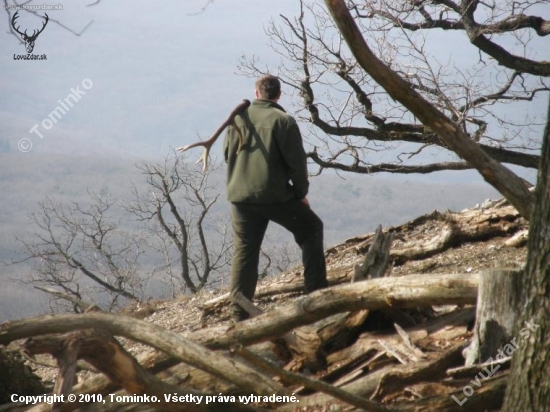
292,150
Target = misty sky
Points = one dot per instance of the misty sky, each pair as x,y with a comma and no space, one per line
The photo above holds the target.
152,75
159,73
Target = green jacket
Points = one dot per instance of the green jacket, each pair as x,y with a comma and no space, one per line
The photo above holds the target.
271,166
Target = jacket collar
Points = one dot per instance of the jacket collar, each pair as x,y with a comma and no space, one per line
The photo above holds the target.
264,103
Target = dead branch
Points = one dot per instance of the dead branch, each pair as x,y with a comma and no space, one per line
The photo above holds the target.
149,334
85,306
297,379
108,356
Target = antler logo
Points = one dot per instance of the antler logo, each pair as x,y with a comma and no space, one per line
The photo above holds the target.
29,40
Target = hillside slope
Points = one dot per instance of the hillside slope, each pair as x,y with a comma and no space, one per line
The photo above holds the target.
418,369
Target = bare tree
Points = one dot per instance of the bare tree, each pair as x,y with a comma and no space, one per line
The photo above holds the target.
90,252
82,250
188,237
530,390
277,256
359,127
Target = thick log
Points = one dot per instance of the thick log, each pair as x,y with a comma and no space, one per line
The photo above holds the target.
152,335
470,225
109,357
497,309
402,292
409,291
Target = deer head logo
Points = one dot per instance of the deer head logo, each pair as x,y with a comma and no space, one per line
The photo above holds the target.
29,40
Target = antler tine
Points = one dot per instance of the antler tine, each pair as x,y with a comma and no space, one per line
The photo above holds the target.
43,25
15,16
208,143
204,157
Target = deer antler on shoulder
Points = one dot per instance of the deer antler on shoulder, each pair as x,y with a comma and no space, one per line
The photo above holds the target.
230,121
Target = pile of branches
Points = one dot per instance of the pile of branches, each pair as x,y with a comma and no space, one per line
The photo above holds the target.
332,347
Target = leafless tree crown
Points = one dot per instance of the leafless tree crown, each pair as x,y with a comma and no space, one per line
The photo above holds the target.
476,62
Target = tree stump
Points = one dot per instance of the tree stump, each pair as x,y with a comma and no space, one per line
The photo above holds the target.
497,308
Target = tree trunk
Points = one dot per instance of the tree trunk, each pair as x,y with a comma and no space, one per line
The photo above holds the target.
501,178
496,314
530,364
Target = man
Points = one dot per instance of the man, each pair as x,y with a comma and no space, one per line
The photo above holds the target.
268,181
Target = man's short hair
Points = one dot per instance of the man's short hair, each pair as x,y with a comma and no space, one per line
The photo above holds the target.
268,87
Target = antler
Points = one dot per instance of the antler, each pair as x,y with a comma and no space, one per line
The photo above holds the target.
208,143
13,24
34,34
43,26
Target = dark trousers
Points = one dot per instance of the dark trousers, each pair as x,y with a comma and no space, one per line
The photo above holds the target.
249,225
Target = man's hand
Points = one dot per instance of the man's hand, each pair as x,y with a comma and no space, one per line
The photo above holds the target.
305,201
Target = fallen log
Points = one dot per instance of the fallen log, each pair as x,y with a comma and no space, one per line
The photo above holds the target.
409,291
107,355
403,292
149,334
470,225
